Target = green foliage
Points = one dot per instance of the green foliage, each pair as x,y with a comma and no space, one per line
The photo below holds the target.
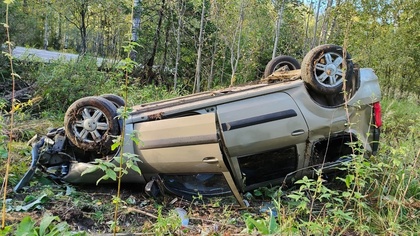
165,225
388,26
32,203
112,168
401,117
60,84
392,48
265,192
3,140
49,226
150,93
267,225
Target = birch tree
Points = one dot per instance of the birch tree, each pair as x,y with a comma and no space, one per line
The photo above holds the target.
324,27
314,39
180,13
135,26
235,55
332,29
197,82
46,26
278,25
213,54
307,45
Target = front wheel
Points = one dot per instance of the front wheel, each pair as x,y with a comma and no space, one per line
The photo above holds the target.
90,123
326,67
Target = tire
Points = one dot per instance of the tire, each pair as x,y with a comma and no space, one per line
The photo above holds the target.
115,99
323,68
90,124
279,62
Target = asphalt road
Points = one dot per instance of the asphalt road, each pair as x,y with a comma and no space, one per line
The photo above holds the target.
23,53
44,55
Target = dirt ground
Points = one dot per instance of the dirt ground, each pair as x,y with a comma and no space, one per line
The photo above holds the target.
90,209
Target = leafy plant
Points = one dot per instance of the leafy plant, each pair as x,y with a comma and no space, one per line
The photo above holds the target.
114,171
166,225
71,80
267,225
49,226
265,192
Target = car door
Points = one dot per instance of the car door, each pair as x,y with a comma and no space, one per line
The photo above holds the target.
183,146
261,137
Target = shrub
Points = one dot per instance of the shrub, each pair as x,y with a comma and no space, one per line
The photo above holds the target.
60,84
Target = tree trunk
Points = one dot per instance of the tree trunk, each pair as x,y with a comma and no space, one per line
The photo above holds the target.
46,27
235,60
197,82
222,69
306,47
324,27
60,32
277,31
314,40
165,55
210,82
149,65
135,26
333,24
181,10
82,29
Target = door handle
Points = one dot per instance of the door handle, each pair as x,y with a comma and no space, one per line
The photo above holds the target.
210,160
298,132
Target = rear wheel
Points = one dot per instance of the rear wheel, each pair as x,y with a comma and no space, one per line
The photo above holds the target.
281,62
115,99
326,67
90,123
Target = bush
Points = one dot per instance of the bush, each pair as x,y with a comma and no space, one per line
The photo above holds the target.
60,84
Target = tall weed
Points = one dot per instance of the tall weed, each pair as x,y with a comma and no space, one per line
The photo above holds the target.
378,195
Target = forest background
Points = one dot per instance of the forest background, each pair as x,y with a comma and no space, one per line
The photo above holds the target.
191,46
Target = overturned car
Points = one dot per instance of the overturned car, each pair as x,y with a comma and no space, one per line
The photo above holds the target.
295,121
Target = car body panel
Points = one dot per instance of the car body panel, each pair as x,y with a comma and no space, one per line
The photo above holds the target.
261,123
204,100
181,145
369,91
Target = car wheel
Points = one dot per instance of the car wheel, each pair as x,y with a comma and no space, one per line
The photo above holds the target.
325,67
281,61
115,99
90,123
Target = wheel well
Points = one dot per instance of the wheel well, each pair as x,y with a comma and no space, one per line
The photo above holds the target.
333,148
